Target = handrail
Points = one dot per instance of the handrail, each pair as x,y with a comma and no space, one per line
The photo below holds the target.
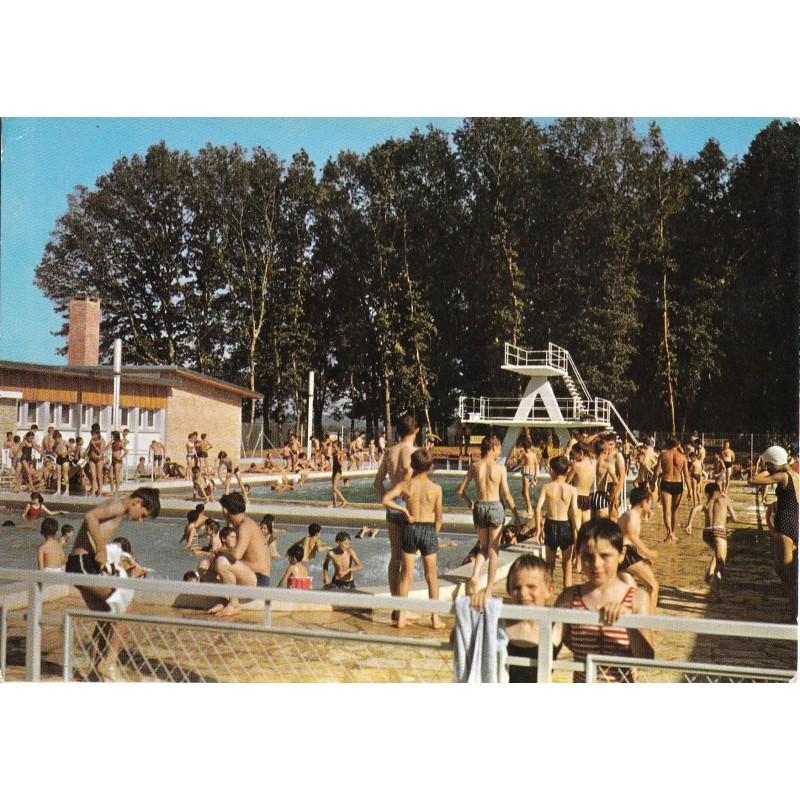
624,424
35,580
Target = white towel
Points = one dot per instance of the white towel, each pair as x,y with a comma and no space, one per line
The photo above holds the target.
479,643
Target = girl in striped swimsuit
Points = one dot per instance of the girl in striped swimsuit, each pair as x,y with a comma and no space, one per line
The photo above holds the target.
600,543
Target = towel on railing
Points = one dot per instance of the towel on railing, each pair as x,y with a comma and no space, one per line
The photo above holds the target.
479,643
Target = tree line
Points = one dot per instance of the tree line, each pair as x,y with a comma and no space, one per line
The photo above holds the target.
398,274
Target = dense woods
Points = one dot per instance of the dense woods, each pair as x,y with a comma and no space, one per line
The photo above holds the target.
398,274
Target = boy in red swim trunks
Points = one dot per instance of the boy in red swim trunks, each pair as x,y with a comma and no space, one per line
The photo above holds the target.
717,510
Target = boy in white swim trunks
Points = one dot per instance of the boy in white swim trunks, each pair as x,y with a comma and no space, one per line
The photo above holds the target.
50,555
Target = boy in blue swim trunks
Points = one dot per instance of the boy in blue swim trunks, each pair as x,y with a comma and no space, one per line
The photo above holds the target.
560,530
488,513
423,514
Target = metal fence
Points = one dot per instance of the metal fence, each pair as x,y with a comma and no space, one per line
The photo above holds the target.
609,669
133,647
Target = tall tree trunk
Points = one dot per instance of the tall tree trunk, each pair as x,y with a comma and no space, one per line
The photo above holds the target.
667,356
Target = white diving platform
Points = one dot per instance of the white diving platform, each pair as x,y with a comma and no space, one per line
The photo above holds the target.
539,407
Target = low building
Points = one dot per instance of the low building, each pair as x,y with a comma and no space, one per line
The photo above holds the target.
156,402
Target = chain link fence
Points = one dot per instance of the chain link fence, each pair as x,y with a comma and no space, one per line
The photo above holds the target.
135,649
608,669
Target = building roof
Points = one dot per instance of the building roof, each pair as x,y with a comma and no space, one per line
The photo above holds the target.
149,374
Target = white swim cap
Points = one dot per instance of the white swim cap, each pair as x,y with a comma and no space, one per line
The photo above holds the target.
775,455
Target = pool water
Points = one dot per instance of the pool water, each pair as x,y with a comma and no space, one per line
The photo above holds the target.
156,546
360,491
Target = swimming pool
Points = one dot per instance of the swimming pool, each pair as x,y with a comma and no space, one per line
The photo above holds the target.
156,545
360,491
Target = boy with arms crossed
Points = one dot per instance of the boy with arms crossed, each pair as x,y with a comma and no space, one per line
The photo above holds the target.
423,514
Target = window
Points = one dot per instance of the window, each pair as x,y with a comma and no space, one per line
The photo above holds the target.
125,417
60,415
147,418
91,415
27,413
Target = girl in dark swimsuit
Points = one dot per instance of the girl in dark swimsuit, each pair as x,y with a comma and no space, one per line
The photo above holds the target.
785,518
24,454
94,456
118,453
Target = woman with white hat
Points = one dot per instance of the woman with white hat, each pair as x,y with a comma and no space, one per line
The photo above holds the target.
786,518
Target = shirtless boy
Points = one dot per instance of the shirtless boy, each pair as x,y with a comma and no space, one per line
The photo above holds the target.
560,530
717,510
488,513
422,512
157,451
728,459
345,563
248,564
529,462
639,557
99,527
396,466
581,476
50,555
673,469
610,478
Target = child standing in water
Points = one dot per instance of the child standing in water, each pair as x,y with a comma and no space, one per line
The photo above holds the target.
601,548
296,575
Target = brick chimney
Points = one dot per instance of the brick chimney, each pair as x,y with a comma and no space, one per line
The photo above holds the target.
83,343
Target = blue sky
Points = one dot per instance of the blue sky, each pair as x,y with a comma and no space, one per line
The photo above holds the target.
43,159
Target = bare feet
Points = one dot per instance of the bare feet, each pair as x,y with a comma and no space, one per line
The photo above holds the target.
436,622
228,610
216,609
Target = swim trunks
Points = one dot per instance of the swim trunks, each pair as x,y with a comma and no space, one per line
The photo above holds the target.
529,475
715,531
672,487
83,563
584,502
262,580
558,534
62,460
420,536
340,584
397,517
157,459
488,514
598,500
631,557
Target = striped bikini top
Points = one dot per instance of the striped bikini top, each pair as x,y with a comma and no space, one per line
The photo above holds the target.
599,639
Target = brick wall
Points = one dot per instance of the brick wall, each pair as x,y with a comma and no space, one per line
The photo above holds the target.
203,409
8,415
83,342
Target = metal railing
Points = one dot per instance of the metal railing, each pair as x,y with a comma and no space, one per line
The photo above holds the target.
506,410
176,648
520,357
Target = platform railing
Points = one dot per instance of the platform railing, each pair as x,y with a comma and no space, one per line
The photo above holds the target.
520,357
504,409
172,648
